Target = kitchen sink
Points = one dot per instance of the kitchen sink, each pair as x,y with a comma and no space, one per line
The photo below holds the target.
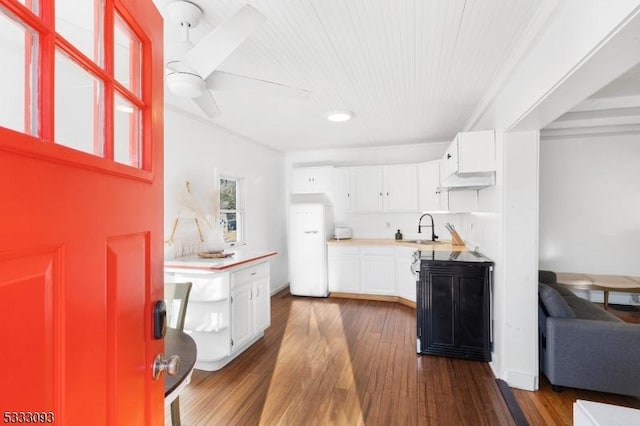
422,241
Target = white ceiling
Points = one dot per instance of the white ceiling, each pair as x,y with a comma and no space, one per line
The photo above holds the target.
614,109
411,70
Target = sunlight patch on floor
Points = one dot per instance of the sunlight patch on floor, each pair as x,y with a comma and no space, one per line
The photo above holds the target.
300,373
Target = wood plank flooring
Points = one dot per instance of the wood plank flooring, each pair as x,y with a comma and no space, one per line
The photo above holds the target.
353,362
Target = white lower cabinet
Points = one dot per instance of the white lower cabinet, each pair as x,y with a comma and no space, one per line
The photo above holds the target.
241,315
344,269
373,270
250,310
405,278
227,311
378,270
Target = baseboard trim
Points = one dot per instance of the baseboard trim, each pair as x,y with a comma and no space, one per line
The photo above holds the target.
521,380
375,297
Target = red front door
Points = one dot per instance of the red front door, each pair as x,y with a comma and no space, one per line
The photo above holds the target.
81,210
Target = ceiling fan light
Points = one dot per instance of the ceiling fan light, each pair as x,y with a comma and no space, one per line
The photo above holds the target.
185,12
339,116
186,85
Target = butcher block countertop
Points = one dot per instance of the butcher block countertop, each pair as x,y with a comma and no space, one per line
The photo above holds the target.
239,257
426,245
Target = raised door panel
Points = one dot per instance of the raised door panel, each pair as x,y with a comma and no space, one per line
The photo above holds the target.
429,193
344,273
262,304
311,180
301,181
342,189
405,277
401,188
378,273
366,189
441,306
476,152
449,162
241,315
473,315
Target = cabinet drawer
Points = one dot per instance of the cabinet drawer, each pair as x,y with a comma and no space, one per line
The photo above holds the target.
251,273
205,289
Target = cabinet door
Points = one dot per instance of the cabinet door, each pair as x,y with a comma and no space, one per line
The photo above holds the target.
473,313
311,180
301,181
342,189
430,197
449,162
241,315
378,271
405,278
366,189
476,152
401,188
344,270
442,311
261,304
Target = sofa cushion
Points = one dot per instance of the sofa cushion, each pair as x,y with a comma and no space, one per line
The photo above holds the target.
585,309
554,302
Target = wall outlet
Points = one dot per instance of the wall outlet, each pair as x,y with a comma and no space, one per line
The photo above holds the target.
388,224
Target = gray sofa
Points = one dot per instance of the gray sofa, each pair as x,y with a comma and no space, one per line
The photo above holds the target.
584,346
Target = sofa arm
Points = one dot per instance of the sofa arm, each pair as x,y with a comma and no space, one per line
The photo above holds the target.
597,355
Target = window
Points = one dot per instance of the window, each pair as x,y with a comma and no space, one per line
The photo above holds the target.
72,74
231,209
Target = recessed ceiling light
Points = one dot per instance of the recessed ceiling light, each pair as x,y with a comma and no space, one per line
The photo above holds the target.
339,116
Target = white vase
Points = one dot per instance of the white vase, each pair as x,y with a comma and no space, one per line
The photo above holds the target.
214,241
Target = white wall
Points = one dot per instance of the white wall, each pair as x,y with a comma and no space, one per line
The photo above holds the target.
381,225
590,206
576,34
195,150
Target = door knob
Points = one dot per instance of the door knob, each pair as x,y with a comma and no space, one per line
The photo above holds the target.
170,366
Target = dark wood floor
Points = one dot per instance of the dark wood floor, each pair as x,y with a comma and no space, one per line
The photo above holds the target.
350,362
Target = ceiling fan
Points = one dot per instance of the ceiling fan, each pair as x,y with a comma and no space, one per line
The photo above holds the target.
192,69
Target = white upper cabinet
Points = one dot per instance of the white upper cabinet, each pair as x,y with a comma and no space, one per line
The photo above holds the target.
312,180
384,188
342,189
367,189
471,154
400,188
430,195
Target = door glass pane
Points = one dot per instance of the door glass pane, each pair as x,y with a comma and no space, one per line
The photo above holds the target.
126,132
18,85
31,4
78,107
127,56
80,23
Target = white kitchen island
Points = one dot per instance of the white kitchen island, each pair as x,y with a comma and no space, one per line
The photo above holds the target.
229,306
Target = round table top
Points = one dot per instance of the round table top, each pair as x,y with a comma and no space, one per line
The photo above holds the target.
179,343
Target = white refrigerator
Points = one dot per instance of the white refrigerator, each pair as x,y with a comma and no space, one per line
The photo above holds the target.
310,225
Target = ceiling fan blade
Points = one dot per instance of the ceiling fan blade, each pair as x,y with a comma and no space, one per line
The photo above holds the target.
216,46
207,104
219,80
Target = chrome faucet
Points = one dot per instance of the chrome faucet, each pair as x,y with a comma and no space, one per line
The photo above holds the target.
420,226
